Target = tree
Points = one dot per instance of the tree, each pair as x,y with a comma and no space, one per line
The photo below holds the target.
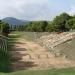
71,23
4,28
50,27
37,26
60,21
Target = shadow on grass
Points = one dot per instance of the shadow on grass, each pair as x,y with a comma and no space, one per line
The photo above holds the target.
4,54
16,57
21,65
18,64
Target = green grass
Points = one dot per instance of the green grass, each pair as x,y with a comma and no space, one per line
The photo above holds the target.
4,63
31,36
4,57
69,71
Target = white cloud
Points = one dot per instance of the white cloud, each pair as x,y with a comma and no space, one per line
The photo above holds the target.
33,9
25,9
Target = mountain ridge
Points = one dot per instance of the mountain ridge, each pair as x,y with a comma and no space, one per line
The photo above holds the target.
14,21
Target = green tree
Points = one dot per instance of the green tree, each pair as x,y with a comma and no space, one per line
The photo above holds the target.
60,22
50,27
37,26
71,23
4,28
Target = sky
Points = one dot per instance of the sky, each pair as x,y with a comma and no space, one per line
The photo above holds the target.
35,9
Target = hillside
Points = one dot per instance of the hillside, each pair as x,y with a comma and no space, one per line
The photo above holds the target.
14,21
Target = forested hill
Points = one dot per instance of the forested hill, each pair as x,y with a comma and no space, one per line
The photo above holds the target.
14,21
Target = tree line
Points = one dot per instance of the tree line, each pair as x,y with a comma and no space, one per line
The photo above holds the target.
61,23
4,28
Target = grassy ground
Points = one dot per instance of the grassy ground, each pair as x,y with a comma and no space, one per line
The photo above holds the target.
67,48
31,36
4,54
4,57
69,71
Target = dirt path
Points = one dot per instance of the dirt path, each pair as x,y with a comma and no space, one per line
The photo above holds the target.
28,55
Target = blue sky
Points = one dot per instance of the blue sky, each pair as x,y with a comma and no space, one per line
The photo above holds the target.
35,9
